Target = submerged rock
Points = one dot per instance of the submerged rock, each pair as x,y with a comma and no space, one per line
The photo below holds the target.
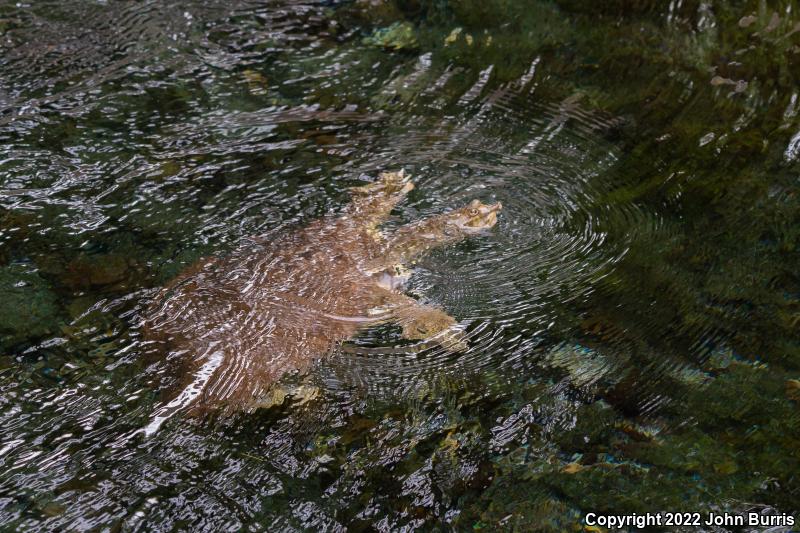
28,307
398,36
585,366
95,270
257,83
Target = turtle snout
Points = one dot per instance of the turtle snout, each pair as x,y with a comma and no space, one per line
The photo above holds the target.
490,218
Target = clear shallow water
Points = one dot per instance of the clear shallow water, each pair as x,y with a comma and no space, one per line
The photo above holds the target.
632,317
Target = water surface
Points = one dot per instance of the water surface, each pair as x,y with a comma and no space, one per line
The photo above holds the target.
632,319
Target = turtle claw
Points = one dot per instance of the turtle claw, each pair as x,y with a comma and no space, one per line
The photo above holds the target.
388,183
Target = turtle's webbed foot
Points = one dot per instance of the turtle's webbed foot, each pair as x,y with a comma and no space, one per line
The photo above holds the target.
425,322
452,339
388,184
278,393
434,325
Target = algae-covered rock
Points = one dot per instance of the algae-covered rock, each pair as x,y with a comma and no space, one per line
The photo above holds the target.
585,366
28,308
398,36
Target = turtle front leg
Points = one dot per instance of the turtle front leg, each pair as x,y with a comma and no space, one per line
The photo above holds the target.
372,203
388,184
425,322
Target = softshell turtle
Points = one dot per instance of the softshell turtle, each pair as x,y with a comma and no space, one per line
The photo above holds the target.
235,324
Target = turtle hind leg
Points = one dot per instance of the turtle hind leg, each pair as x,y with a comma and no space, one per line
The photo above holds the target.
418,321
421,322
277,394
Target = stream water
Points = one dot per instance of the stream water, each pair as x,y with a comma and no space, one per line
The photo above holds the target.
632,320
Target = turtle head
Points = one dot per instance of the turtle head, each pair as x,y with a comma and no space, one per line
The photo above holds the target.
475,217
